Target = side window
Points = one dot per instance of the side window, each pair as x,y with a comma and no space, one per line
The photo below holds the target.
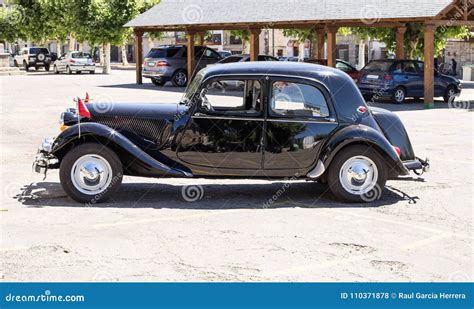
232,98
409,67
398,68
421,67
343,67
297,100
208,53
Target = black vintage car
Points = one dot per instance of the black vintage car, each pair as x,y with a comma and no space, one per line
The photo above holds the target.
266,120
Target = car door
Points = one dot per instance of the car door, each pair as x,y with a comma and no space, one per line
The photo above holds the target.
412,79
224,135
300,117
61,62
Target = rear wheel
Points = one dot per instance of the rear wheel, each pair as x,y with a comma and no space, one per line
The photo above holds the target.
68,70
47,67
157,82
26,66
90,173
180,79
450,94
399,95
15,63
92,72
357,174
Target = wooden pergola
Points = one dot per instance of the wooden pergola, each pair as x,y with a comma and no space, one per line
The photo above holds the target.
195,17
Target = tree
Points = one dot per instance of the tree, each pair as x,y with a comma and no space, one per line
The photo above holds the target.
10,20
244,35
34,20
413,40
301,35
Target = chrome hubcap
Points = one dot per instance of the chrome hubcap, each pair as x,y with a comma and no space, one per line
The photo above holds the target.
399,95
181,78
91,174
358,175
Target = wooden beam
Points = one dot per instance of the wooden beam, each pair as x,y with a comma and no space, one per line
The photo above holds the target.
201,36
331,46
138,56
400,42
254,44
190,55
320,38
429,30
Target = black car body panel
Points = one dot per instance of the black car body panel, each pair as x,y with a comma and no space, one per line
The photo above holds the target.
182,140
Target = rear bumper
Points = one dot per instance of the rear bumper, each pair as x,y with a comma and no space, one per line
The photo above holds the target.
81,67
418,165
376,90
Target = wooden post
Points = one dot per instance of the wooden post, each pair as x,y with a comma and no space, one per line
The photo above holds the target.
254,44
190,55
400,40
429,30
138,56
332,31
201,38
320,38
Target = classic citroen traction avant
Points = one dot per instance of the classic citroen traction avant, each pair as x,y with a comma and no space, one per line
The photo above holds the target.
249,120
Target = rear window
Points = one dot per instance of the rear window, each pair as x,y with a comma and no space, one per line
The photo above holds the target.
383,66
81,55
230,59
36,50
162,52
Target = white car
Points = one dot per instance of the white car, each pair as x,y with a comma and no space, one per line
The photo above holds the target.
74,61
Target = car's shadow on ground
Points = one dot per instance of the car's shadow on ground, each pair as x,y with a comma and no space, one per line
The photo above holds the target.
208,196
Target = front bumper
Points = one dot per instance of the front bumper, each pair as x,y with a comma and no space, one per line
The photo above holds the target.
44,160
418,166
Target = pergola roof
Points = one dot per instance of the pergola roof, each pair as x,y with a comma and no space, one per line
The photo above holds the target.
226,14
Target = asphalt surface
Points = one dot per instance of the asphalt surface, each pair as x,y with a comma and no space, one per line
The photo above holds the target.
422,229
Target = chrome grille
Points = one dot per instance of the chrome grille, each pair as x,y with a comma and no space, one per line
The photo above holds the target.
155,130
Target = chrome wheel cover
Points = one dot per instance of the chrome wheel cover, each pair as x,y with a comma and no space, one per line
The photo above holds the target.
358,175
181,78
399,95
91,174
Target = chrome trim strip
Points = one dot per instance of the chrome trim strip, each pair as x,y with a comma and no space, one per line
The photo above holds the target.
324,121
317,171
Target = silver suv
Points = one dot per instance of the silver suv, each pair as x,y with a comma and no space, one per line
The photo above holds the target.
169,63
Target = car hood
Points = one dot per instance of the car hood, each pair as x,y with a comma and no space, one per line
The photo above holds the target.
164,111
139,122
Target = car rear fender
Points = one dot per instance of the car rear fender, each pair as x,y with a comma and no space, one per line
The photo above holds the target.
361,134
137,161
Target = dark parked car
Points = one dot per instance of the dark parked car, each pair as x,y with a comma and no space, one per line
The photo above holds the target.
341,65
399,79
289,120
246,58
169,63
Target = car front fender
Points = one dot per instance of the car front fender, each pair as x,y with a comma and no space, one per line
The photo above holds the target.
141,162
361,134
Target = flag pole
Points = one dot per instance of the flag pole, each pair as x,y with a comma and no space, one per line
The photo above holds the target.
78,116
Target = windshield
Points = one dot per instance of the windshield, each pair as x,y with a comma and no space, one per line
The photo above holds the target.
36,50
162,53
81,55
383,66
193,88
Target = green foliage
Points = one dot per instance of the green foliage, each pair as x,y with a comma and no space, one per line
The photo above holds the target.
10,21
243,34
300,35
414,37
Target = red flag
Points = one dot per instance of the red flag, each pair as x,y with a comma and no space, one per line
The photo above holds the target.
82,109
87,98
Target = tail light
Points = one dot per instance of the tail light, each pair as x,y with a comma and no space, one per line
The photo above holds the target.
397,150
387,77
162,64
72,60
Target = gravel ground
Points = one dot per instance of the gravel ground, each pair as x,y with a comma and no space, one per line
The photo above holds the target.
421,231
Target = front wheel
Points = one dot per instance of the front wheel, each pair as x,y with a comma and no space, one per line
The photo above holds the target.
55,69
68,70
90,173
47,67
357,174
399,95
450,94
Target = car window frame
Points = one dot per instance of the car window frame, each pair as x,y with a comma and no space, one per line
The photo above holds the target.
316,84
212,79
414,66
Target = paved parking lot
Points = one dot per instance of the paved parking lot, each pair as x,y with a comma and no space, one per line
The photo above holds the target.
421,231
